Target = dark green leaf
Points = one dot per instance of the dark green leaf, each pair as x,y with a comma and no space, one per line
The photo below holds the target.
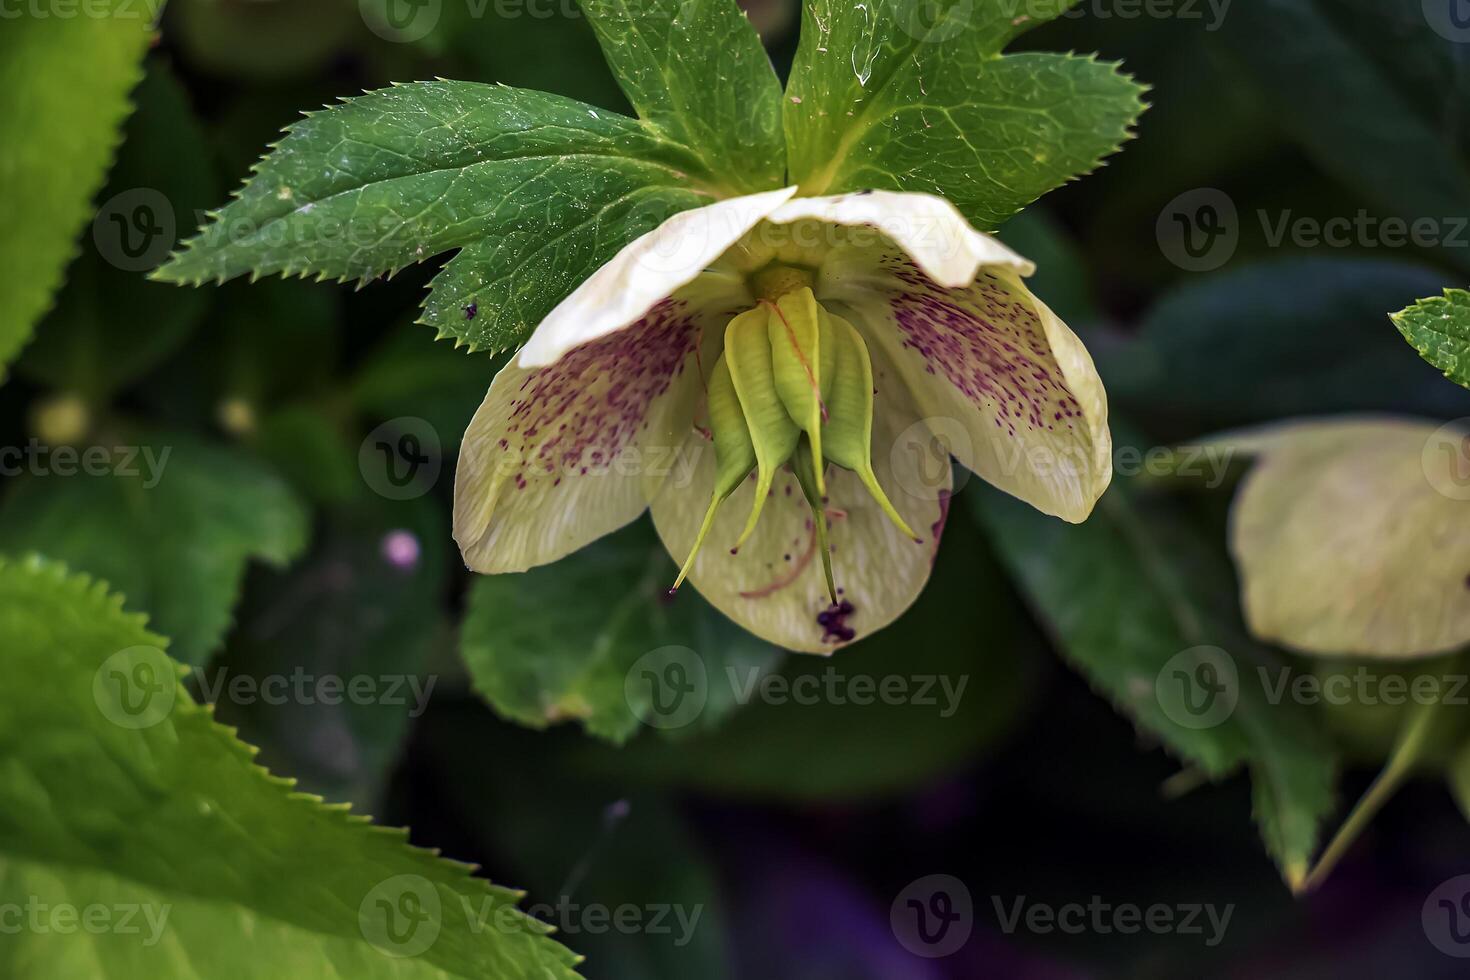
1291,337
356,617
170,521
916,97
56,140
696,72
119,791
558,642
1393,146
1146,611
112,324
516,180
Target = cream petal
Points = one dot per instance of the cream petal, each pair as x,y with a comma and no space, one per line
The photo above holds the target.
929,229
648,270
775,587
1351,535
999,378
558,456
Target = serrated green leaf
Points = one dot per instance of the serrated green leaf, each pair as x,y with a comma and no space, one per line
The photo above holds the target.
517,180
133,799
169,521
1439,329
56,140
111,324
1130,596
557,643
916,97
696,72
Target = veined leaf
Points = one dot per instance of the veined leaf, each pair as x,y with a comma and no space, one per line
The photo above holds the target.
64,84
1134,602
881,96
1439,329
172,522
535,190
696,72
119,792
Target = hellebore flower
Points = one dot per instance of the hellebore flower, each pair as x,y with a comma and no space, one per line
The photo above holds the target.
750,371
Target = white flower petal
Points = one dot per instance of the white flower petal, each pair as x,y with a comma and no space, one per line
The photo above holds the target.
1351,536
930,229
648,270
556,457
999,378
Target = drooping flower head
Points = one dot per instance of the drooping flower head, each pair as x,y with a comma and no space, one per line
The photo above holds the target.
734,309
766,374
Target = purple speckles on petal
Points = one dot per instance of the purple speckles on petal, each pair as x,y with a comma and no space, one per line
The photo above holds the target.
833,621
991,346
578,414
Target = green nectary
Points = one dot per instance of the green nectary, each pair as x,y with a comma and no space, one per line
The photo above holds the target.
794,385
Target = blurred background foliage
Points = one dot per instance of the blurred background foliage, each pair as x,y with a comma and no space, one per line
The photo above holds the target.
792,826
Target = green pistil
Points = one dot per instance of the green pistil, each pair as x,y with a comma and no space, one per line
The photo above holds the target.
775,281
794,386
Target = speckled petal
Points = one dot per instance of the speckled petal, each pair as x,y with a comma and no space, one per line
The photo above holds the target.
558,456
774,587
648,270
998,377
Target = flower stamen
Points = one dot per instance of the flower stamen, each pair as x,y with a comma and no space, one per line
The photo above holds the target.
794,387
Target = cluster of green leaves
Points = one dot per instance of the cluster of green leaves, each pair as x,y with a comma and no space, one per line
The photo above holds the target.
260,553
519,180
